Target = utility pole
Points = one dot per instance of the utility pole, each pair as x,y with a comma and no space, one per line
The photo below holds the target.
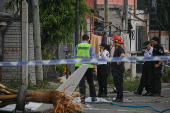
106,14
24,42
160,20
77,23
126,16
95,4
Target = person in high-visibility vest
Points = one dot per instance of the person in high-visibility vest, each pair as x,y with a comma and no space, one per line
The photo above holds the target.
82,51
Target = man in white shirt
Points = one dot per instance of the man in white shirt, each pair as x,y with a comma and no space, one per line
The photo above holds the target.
102,70
147,71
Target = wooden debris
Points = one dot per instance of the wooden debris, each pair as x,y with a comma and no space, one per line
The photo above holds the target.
8,89
62,103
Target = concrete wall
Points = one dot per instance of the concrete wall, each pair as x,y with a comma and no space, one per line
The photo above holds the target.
12,52
137,23
114,15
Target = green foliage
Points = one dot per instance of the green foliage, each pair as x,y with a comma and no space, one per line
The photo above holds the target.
110,80
60,68
111,86
96,85
168,72
131,85
46,53
166,75
15,82
126,74
58,18
40,87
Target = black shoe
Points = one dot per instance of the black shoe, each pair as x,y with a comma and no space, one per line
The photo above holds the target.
118,100
99,95
157,95
103,95
137,92
148,94
93,99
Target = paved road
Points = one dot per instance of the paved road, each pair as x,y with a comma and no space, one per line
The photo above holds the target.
159,103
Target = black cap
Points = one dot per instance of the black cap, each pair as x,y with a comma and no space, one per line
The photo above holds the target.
155,39
145,44
103,45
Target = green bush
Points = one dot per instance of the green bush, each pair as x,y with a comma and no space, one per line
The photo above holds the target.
15,82
110,86
168,72
126,74
96,85
131,85
166,75
110,80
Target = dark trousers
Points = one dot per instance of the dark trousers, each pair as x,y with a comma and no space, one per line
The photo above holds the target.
157,80
146,78
118,82
102,78
89,76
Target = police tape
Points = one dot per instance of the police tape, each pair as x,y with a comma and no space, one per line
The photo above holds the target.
92,60
143,63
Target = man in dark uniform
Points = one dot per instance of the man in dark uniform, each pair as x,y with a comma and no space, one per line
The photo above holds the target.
118,68
157,67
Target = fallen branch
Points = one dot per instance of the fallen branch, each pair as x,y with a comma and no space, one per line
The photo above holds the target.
8,89
4,97
5,92
62,103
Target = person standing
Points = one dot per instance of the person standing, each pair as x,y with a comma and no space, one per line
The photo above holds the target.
147,72
102,70
157,67
85,50
118,68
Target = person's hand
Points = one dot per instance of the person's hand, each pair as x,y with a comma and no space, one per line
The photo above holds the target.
95,71
101,50
118,63
157,65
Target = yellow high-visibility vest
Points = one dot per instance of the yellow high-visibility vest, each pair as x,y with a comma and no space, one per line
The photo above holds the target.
83,53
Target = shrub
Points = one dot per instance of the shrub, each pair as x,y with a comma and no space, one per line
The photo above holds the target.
126,74
130,85
60,68
110,80
168,72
